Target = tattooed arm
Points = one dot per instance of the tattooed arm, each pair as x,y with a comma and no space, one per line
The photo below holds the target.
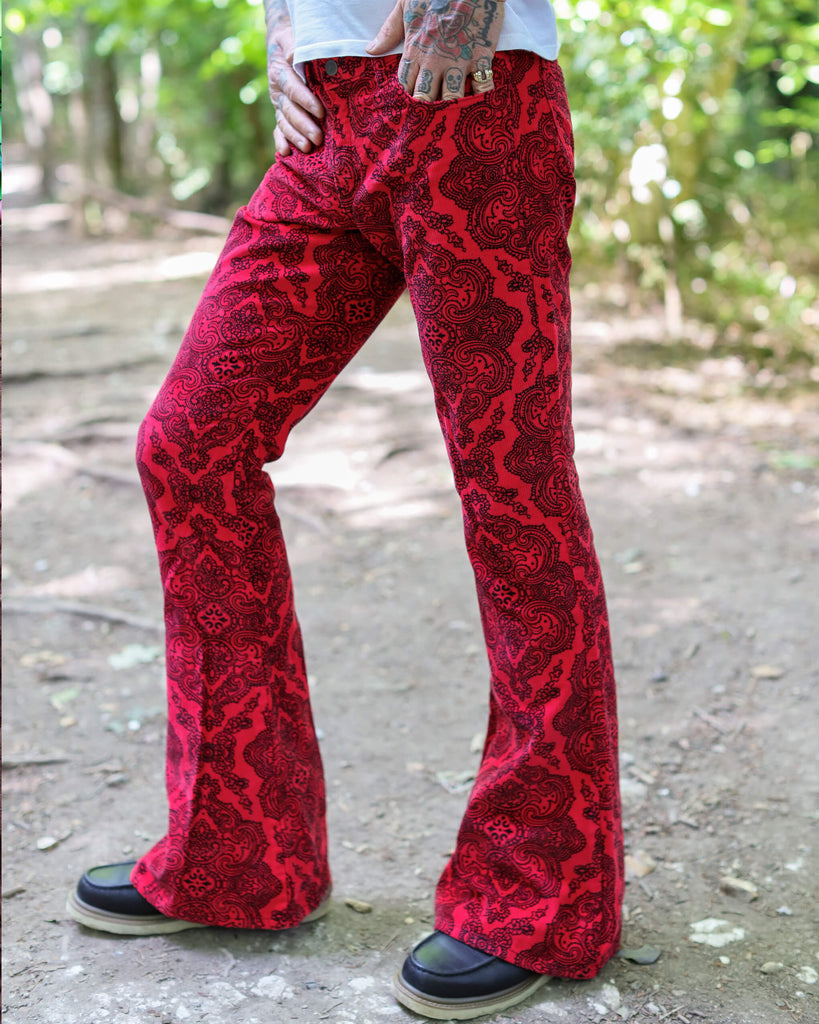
444,42
298,111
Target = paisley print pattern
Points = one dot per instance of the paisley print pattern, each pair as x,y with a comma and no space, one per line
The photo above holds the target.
467,204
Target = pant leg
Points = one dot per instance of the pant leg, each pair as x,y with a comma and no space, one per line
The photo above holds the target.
536,877
295,293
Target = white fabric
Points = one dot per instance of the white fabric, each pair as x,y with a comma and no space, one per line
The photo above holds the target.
342,28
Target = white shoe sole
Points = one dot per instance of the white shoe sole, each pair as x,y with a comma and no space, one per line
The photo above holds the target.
151,924
124,924
463,1009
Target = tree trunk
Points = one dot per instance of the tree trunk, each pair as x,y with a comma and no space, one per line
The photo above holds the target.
114,125
36,110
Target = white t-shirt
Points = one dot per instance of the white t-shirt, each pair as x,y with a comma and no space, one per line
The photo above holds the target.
342,28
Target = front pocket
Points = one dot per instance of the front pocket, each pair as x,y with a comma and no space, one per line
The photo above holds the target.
467,100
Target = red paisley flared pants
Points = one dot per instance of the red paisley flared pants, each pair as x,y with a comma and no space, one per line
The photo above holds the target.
467,204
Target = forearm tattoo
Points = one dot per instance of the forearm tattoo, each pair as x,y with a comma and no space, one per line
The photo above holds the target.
276,17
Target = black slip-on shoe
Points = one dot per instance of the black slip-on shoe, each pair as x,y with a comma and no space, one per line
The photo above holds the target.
445,979
106,899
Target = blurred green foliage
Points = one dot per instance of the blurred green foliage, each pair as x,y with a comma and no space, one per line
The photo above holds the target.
211,138
696,125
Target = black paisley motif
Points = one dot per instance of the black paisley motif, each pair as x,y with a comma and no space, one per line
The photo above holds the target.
467,204
211,865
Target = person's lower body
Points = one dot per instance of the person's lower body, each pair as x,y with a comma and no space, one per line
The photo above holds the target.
467,203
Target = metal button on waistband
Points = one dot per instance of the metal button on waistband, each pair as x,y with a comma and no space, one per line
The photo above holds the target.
331,67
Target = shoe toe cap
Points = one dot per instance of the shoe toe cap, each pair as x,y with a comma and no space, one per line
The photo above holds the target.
447,968
108,887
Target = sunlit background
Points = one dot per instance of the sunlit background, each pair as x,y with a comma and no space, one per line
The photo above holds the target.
696,128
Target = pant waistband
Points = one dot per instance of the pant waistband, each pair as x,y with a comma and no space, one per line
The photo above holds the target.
328,69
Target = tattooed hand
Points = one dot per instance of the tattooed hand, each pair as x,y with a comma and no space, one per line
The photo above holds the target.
444,42
298,111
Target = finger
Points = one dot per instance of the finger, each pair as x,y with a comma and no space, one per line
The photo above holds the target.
427,86
483,66
301,120
407,74
282,80
299,93
391,32
480,87
453,84
294,136
281,143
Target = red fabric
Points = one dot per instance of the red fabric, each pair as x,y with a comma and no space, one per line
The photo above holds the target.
467,203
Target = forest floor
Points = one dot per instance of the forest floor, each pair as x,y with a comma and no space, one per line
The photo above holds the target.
704,495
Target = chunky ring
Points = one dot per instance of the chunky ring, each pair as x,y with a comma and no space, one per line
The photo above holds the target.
483,75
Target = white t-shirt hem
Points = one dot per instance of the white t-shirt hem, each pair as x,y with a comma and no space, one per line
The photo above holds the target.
358,48
338,48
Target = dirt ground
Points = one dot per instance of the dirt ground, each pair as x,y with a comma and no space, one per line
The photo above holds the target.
705,501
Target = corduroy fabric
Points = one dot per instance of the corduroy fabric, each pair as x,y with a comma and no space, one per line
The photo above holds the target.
467,204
